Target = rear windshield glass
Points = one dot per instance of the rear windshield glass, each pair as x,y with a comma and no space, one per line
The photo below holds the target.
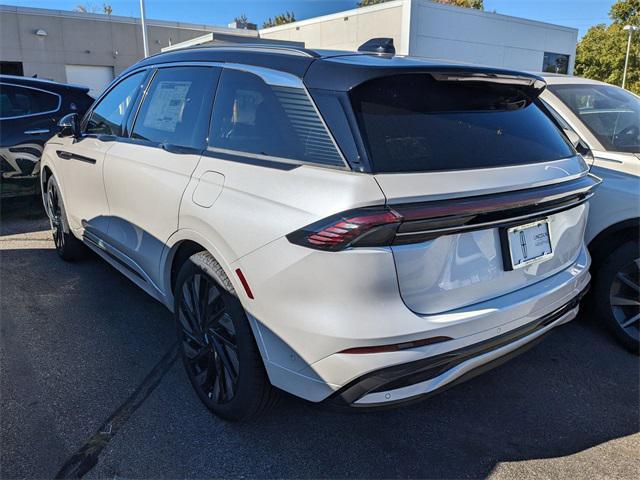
610,113
413,123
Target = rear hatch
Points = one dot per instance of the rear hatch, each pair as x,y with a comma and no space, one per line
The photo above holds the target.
491,195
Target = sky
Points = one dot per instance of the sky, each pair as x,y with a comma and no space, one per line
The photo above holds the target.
579,14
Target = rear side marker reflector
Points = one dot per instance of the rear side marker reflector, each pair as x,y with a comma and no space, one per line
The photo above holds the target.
396,346
245,284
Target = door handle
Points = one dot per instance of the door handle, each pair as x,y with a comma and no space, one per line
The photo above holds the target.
37,131
72,156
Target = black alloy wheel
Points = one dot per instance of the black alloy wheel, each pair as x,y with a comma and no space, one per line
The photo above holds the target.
617,294
67,245
55,214
208,339
218,349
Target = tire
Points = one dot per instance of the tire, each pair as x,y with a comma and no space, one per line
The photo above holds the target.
220,356
67,245
617,294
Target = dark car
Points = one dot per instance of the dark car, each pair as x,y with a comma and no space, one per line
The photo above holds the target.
29,112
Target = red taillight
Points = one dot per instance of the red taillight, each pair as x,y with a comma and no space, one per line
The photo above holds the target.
423,221
364,227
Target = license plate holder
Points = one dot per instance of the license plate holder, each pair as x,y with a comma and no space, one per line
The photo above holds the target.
525,244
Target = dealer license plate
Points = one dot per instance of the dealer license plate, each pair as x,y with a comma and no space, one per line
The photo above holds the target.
529,243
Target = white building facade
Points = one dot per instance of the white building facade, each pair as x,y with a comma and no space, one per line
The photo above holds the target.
427,29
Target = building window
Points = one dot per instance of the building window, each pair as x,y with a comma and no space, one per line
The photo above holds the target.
11,68
555,63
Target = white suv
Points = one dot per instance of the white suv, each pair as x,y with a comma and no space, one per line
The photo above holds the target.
354,228
606,120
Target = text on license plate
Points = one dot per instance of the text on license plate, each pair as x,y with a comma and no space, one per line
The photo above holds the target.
529,243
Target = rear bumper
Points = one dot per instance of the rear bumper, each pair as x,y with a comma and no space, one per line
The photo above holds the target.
305,344
415,380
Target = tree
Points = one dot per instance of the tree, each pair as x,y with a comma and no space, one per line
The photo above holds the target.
92,8
600,54
367,3
283,18
477,4
241,19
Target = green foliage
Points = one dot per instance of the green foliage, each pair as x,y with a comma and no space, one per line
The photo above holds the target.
601,52
367,3
241,19
283,18
477,4
626,12
91,8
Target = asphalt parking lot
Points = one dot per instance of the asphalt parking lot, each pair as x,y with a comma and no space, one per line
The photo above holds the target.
90,386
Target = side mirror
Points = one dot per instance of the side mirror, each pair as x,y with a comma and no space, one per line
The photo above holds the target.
69,126
573,137
579,145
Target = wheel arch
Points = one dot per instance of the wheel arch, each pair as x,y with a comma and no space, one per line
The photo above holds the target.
612,237
180,247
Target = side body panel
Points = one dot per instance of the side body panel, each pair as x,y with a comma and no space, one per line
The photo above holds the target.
81,178
618,198
260,204
144,185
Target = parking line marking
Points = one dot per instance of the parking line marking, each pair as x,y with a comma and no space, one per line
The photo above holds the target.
87,456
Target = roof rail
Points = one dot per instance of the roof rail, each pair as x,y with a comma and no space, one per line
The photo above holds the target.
261,47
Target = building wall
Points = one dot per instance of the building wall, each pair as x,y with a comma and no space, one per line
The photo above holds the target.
85,39
427,29
350,29
467,35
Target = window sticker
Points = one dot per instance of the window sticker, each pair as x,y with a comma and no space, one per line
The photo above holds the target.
167,105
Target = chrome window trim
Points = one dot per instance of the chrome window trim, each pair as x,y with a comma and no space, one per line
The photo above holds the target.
270,77
271,158
38,113
295,51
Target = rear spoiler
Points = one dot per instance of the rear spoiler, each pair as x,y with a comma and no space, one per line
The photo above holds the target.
533,86
347,71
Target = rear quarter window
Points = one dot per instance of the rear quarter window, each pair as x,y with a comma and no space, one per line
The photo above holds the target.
414,123
17,101
253,117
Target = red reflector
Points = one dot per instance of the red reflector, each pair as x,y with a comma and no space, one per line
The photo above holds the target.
397,346
244,283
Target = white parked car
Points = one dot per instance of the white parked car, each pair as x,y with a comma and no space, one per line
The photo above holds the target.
607,121
354,228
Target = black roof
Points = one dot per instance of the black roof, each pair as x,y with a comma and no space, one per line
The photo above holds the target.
42,83
329,69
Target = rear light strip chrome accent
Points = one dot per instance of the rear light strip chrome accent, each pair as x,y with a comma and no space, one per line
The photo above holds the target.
400,224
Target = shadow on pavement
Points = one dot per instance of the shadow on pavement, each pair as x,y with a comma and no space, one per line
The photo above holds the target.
78,339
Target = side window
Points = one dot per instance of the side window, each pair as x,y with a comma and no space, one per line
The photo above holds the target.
16,101
177,107
107,117
253,117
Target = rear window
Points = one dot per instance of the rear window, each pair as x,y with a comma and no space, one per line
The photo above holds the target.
414,123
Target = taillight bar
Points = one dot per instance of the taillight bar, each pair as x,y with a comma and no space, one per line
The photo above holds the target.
399,224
